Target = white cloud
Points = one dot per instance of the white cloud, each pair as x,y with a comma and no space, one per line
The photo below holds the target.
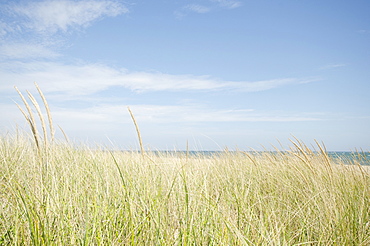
24,50
199,113
160,124
230,4
10,115
363,31
5,29
113,116
38,29
85,79
55,15
197,8
331,66
202,9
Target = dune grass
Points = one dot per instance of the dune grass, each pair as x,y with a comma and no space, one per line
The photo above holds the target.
53,193
98,197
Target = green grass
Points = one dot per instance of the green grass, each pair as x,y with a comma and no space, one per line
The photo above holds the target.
63,195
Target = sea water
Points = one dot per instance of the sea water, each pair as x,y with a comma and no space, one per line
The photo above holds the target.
344,157
362,158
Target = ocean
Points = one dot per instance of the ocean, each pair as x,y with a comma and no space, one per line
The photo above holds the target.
345,157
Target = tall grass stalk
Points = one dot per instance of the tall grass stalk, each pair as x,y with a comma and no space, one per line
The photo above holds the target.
137,131
48,112
30,119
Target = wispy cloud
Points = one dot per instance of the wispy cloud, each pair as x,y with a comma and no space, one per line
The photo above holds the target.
200,113
26,50
230,4
363,31
85,79
207,7
112,120
115,115
5,29
37,29
60,15
197,8
331,66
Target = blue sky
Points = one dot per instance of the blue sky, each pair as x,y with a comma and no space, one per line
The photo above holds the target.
213,73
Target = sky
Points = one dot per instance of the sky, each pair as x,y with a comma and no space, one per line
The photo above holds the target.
207,74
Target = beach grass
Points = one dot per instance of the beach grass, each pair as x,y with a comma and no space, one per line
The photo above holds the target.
99,197
53,192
